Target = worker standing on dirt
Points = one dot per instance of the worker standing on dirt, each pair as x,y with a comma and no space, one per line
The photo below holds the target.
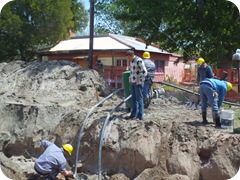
203,71
53,160
136,79
150,66
214,91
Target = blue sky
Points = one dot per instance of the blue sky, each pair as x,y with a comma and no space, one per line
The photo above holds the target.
86,3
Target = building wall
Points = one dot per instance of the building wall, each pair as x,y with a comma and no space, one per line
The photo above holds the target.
117,59
174,72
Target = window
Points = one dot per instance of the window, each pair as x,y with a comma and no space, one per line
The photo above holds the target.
122,62
119,62
159,66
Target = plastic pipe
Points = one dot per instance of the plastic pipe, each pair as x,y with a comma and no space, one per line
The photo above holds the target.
186,90
102,136
84,124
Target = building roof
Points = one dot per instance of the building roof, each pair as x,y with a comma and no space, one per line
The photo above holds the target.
106,42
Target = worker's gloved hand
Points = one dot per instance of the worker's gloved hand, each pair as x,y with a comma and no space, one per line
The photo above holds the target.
215,94
69,173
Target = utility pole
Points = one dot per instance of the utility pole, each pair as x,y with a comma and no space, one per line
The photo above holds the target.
91,35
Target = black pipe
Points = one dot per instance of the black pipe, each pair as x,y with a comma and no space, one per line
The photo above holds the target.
177,87
102,137
84,124
186,90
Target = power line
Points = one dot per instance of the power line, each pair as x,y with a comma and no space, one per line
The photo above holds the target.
159,28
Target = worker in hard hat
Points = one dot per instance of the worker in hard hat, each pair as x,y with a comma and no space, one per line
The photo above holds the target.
150,66
203,71
214,91
53,160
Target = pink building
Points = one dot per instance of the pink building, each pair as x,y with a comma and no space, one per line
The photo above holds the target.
110,50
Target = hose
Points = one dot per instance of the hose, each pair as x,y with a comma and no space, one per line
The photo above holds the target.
84,124
102,136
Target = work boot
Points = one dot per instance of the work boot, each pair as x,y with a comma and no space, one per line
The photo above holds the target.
216,119
204,117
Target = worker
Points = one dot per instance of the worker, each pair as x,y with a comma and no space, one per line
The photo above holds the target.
53,160
203,71
150,66
136,78
214,91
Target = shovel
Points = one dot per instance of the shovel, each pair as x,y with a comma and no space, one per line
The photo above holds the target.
80,176
191,103
196,98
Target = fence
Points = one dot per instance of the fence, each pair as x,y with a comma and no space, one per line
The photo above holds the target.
231,77
113,75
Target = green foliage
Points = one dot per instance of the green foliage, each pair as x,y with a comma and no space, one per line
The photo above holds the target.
209,29
104,18
28,25
80,16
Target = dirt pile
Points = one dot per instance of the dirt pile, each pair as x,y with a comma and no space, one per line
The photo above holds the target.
50,100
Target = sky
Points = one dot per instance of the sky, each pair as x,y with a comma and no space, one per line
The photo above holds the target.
86,4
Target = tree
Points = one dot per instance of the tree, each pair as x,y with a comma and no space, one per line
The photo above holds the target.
28,25
209,29
105,22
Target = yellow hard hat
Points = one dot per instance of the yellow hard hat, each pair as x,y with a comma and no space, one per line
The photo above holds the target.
200,61
146,55
229,86
68,148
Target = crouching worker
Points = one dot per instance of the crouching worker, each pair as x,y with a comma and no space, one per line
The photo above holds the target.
53,160
214,91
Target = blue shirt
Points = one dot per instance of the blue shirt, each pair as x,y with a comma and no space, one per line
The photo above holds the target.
52,159
204,72
150,66
220,87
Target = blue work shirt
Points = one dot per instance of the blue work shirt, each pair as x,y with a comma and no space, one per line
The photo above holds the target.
220,87
150,66
52,159
204,72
